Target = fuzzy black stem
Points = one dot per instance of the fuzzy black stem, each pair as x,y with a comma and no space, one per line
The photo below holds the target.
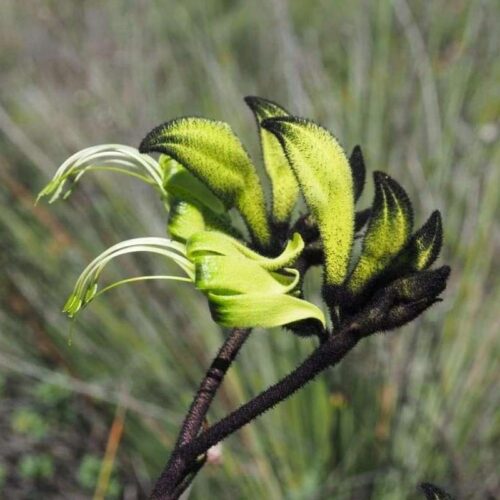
211,382
204,396
327,354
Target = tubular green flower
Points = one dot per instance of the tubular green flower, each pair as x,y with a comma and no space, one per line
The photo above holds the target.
389,229
261,293
203,171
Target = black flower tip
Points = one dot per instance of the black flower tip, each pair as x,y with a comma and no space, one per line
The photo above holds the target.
423,284
358,168
402,301
361,218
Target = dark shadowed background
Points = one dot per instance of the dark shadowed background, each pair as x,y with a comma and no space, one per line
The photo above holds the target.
415,82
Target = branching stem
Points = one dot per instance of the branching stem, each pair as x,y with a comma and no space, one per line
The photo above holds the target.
184,457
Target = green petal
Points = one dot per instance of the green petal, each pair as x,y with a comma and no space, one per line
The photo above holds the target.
325,178
217,243
388,231
230,275
243,287
183,185
186,219
284,185
167,165
210,150
261,310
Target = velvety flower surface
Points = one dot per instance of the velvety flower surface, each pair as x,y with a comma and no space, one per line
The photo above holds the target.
254,277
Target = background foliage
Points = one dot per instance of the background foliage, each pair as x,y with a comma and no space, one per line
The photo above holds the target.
412,81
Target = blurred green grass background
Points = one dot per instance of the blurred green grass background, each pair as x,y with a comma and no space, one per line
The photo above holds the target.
416,83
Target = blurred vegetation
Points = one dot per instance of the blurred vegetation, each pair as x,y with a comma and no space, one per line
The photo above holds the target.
414,82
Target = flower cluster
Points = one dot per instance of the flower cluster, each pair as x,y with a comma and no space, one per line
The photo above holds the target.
254,277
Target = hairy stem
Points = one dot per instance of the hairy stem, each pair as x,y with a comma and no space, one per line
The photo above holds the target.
327,354
210,383
203,398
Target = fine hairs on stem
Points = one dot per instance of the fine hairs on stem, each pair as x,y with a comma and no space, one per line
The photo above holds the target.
375,317
256,281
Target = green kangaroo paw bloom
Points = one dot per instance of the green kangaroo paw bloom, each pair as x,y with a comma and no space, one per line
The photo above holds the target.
284,185
419,253
261,310
216,243
245,288
325,178
210,150
357,163
106,157
388,231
